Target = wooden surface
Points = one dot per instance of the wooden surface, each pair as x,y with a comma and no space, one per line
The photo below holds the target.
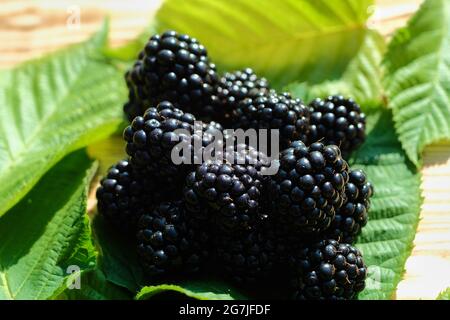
29,29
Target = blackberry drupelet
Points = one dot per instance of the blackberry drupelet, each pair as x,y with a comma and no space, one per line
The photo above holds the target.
273,111
337,120
228,195
328,270
244,154
249,257
152,137
213,125
309,187
234,87
125,194
169,242
173,67
353,214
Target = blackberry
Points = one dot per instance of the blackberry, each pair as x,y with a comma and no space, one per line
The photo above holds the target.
234,87
173,67
243,154
229,195
273,111
125,194
213,125
308,187
168,242
152,137
249,257
327,270
352,216
337,120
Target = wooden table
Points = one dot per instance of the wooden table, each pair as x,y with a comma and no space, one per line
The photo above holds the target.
29,29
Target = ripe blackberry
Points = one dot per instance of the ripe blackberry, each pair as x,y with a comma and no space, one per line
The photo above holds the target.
309,187
272,111
328,270
152,137
169,242
234,87
210,126
338,121
125,194
249,257
243,154
173,67
353,214
229,195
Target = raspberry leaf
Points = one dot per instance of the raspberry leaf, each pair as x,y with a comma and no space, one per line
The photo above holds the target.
50,107
387,239
361,79
95,286
444,295
47,235
196,290
418,78
129,51
118,258
284,41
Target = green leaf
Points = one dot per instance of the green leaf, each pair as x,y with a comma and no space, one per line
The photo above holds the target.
196,290
129,51
107,152
284,41
418,78
51,107
444,295
361,79
94,286
387,239
118,258
47,232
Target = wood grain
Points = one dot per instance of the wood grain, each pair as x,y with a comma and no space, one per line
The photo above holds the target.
29,29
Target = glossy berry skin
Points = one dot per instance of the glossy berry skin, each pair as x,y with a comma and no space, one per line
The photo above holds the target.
152,137
339,121
234,87
327,270
228,195
273,111
353,214
125,194
169,242
173,67
309,187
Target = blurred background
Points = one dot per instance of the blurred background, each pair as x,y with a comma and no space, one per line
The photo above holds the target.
29,29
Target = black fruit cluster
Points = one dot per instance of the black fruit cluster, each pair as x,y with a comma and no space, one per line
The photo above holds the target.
231,194
353,215
309,187
273,111
250,257
236,86
337,120
173,67
327,269
152,138
290,232
124,195
168,241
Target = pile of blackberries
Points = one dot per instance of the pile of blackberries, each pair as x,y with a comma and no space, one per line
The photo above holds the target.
225,216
